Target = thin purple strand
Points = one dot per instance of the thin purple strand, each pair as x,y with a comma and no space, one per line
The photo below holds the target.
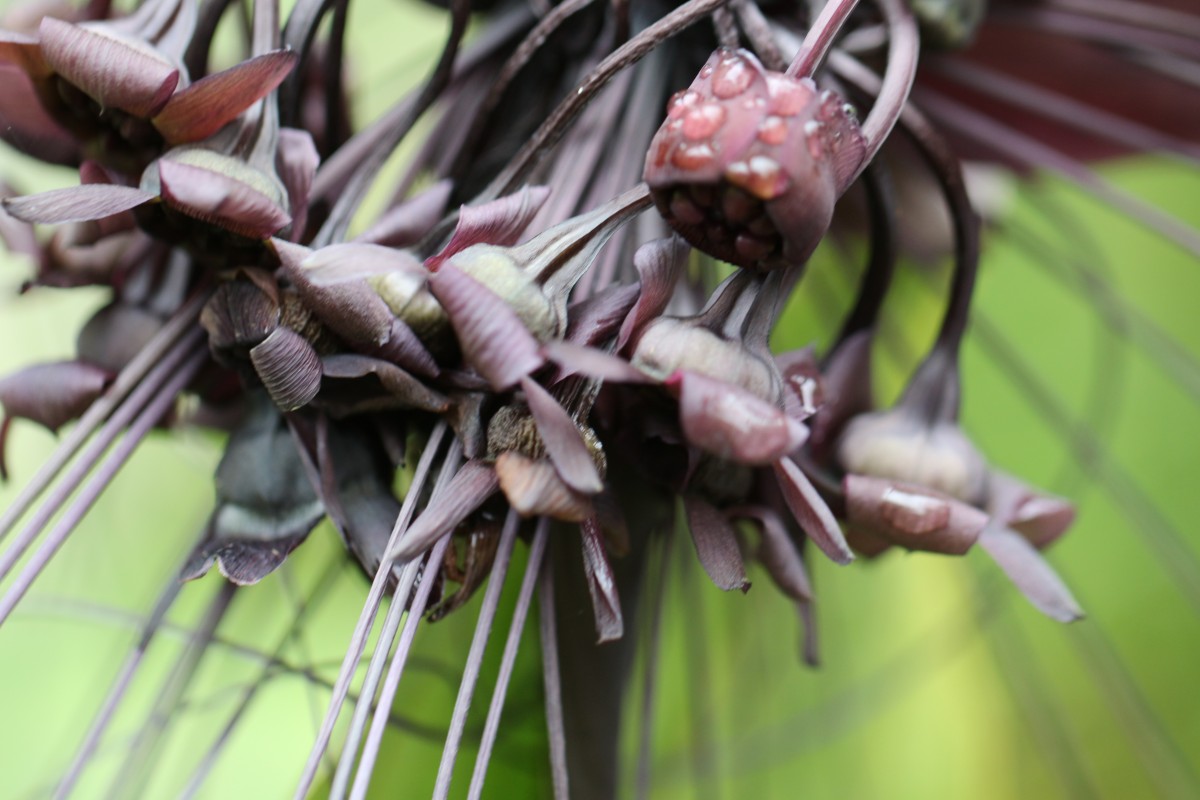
537,551
483,630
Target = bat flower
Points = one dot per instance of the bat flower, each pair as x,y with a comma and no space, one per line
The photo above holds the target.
749,163
119,86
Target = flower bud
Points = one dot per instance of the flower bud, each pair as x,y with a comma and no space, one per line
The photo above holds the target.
749,163
896,444
669,345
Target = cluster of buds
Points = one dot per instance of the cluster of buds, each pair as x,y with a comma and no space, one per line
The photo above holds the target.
547,356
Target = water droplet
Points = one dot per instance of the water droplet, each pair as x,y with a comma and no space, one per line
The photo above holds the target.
761,176
681,103
772,130
693,156
703,121
732,76
788,97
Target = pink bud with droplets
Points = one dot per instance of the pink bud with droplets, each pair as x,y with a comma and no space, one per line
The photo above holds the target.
749,163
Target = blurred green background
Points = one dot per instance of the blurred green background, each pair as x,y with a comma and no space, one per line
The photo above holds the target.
938,679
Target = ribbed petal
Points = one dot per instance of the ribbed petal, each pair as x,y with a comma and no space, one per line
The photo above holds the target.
471,485
500,222
115,72
239,316
534,489
602,584
76,203
52,394
716,544
1036,579
731,423
288,367
811,512
220,200
564,442
494,341
211,103
659,265
912,516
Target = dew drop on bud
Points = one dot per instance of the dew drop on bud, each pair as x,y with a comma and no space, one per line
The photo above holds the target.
731,77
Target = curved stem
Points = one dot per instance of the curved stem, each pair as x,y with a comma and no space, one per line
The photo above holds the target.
819,39
560,119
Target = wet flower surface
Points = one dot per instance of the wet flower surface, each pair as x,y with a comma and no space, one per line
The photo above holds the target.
548,351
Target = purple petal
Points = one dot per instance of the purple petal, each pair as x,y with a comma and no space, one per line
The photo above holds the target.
846,388
534,489
659,264
76,203
911,516
350,309
211,103
602,584
803,392
564,442
575,359
112,72
239,316
220,200
403,347
474,482
499,222
296,163
779,554
24,52
597,318
17,236
1040,518
811,512
411,221
716,544
52,394
731,423
401,389
288,367
494,341
1036,579
24,123
339,263
266,505
116,334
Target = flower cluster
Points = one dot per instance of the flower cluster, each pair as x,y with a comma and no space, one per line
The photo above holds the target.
531,334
